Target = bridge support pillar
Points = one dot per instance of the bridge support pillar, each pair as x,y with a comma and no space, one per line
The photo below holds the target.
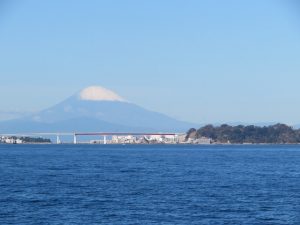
75,139
104,140
58,139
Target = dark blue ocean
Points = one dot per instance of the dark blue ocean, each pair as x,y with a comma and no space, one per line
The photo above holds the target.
135,184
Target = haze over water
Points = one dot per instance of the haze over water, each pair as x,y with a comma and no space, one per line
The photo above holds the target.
149,184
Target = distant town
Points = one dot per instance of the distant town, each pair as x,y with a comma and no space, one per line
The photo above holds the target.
23,140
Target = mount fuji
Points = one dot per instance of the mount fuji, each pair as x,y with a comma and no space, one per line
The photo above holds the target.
95,109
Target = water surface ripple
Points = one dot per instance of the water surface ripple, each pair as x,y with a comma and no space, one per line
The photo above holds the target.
103,184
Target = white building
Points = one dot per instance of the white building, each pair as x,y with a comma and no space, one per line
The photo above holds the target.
129,139
18,141
203,141
181,138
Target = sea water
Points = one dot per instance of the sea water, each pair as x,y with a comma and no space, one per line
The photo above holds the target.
149,184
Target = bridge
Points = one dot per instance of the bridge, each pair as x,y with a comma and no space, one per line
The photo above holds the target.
99,134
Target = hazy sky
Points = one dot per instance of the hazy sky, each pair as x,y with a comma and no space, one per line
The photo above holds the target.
201,61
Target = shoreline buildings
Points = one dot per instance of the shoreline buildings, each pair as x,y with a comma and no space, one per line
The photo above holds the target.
109,139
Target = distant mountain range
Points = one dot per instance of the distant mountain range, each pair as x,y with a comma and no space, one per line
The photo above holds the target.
95,109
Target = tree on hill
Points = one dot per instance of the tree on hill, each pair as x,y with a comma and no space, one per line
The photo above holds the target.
278,133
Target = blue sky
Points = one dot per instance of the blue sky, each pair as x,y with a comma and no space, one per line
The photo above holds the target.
199,61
